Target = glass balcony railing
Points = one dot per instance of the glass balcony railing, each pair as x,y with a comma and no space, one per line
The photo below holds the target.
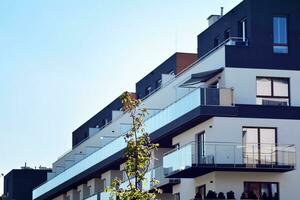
100,196
230,155
93,197
158,119
199,96
158,174
155,173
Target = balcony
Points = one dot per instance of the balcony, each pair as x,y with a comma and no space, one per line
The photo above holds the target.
100,196
193,159
155,173
197,97
158,174
230,42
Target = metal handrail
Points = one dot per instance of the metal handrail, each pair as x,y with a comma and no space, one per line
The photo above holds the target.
226,143
114,139
235,154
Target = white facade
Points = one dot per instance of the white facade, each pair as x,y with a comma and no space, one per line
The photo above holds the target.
230,130
172,98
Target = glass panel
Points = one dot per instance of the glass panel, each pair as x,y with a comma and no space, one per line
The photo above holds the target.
200,192
200,142
280,30
264,86
280,35
250,141
276,30
180,159
267,147
272,101
261,190
281,87
182,106
252,190
283,30
177,196
280,49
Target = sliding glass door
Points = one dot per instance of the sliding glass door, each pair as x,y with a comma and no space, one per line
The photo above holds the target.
201,147
259,145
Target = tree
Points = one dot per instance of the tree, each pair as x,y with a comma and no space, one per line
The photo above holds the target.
138,155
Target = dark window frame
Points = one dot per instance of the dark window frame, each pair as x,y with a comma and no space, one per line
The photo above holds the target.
227,34
264,182
272,96
240,27
158,83
259,138
177,196
201,186
148,90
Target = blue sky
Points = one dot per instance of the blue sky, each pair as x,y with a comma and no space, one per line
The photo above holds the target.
61,61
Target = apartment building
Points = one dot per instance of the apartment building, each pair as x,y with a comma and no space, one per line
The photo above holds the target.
227,119
19,183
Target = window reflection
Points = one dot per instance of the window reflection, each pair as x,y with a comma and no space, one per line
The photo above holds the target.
259,146
259,190
280,41
272,91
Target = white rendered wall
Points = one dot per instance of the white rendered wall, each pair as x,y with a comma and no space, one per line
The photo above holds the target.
221,129
167,94
187,186
227,181
244,83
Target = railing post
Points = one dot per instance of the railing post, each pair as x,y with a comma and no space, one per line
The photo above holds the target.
273,164
234,149
215,161
253,154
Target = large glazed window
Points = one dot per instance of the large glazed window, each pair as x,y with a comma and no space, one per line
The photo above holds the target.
261,190
259,145
280,41
272,91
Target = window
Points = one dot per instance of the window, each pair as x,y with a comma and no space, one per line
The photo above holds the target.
261,190
104,122
259,145
280,41
148,90
242,29
200,138
171,72
226,34
200,192
177,196
272,91
158,83
105,183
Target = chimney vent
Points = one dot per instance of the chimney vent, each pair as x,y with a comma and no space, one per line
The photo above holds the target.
214,18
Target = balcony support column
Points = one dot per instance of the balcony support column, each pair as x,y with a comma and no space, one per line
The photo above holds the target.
95,186
73,194
109,176
83,191
61,197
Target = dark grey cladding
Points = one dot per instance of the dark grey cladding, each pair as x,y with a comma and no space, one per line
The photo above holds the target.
259,31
